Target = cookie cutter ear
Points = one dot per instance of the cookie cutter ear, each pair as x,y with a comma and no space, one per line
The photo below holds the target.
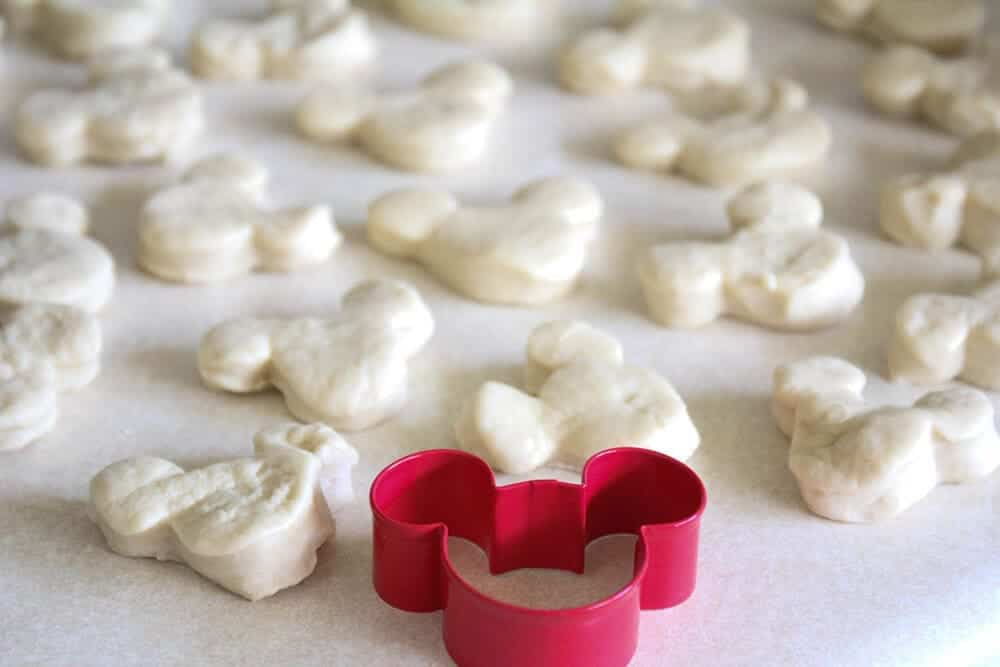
657,145
775,205
236,356
554,345
576,201
799,382
333,113
482,83
896,80
395,304
399,222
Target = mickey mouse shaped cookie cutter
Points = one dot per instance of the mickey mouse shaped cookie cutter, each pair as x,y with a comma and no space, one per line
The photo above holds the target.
422,499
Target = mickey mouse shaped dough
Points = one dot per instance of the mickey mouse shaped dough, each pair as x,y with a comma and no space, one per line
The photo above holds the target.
858,464
950,94
939,338
251,525
778,269
958,206
581,398
528,252
445,123
216,224
484,20
658,43
308,39
349,370
80,29
45,349
942,26
768,131
45,258
136,108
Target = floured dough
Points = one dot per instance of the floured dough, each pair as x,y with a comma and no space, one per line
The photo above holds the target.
858,464
216,224
45,258
348,370
942,26
136,108
527,252
958,206
80,29
939,338
310,39
768,131
583,399
445,123
778,269
950,94
251,525
658,43
45,350
474,20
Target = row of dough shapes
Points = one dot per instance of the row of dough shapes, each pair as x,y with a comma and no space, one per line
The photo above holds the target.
943,26
908,82
81,29
579,397
960,205
136,107
768,129
217,223
528,252
251,525
658,43
301,39
474,20
348,370
855,463
778,269
444,123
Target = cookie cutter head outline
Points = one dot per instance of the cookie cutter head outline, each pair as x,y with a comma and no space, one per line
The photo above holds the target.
422,499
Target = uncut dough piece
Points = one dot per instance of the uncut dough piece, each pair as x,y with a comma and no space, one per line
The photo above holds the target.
311,39
528,252
136,108
958,206
216,225
444,123
949,94
767,132
474,20
939,338
45,350
943,26
583,399
45,258
778,269
253,525
660,45
349,370
81,29
858,464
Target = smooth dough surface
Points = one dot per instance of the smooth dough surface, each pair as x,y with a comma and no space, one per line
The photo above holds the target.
474,20
80,29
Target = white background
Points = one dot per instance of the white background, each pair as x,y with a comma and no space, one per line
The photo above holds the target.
778,585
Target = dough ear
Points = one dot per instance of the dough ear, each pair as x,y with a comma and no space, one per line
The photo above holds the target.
399,222
895,81
556,344
603,61
48,211
236,356
336,456
230,169
115,483
804,380
577,202
657,145
963,417
333,113
296,237
480,82
924,211
397,305
775,205
627,11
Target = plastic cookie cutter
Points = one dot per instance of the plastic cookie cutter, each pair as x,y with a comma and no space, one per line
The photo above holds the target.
422,499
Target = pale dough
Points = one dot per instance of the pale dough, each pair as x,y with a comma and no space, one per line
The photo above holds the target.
80,29
474,20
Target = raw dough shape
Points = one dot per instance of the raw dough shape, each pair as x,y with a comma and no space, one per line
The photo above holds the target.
216,224
939,338
943,26
949,94
251,525
80,29
45,349
658,44
44,257
959,206
768,131
473,20
445,123
308,39
136,108
528,252
778,269
580,399
349,371
857,464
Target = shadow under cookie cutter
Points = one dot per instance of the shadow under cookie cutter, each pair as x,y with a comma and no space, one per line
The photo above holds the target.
422,499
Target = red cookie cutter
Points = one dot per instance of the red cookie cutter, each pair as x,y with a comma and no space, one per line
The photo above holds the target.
418,501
